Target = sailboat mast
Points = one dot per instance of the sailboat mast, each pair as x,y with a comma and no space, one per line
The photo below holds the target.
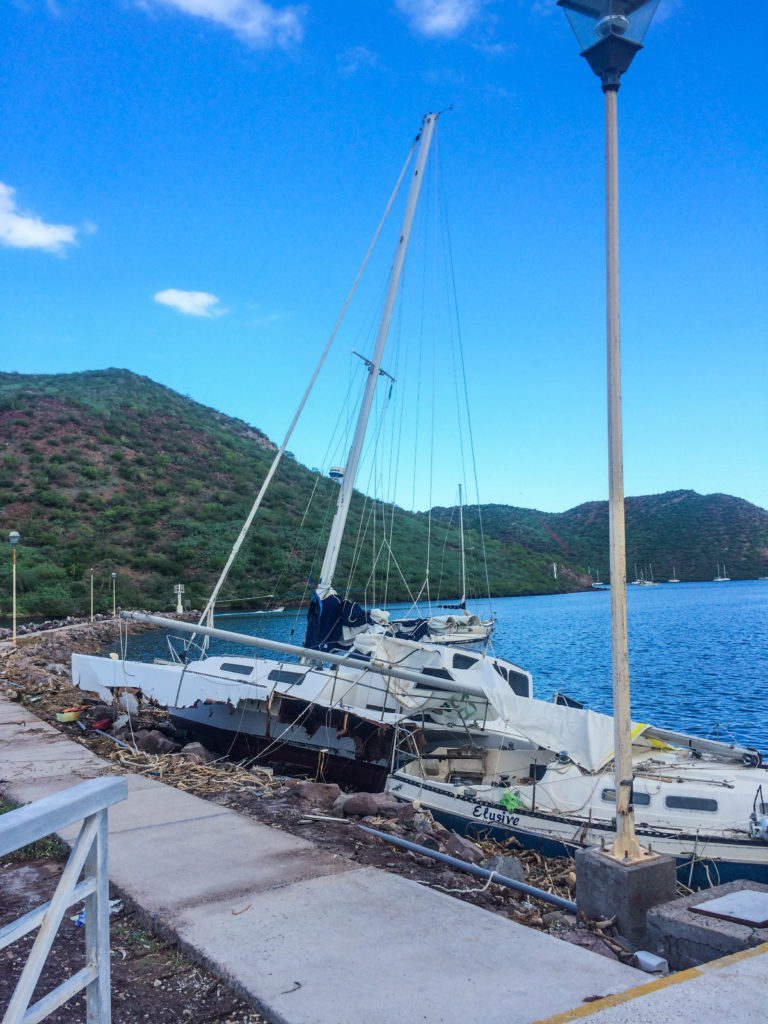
463,567
353,459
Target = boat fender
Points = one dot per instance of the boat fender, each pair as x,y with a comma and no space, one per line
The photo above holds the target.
759,827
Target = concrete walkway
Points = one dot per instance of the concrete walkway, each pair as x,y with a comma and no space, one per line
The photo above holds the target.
309,937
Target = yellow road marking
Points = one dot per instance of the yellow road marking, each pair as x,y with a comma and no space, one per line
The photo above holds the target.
588,1009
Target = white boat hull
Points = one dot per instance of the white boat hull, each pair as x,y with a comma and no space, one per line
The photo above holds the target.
703,859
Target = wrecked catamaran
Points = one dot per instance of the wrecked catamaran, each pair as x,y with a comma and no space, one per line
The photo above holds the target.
333,713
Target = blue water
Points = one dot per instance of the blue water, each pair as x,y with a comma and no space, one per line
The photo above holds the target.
698,652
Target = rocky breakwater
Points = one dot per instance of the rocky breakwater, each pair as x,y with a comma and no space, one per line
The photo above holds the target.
37,673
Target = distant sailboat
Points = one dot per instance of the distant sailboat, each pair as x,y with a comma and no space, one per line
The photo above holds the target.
643,582
674,576
597,584
719,578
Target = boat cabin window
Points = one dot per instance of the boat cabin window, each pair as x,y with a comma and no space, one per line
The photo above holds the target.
691,803
464,661
282,675
518,681
638,799
438,673
242,670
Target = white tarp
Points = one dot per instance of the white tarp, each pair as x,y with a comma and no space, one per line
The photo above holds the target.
401,654
587,736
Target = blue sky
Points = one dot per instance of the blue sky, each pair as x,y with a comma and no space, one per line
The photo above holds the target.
189,186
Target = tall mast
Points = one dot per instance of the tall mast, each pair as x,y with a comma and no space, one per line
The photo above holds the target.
353,459
463,570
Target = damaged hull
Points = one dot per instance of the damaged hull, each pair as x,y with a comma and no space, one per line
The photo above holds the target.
338,720
336,725
221,730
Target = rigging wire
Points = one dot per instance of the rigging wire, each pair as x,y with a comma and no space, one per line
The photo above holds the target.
466,392
208,610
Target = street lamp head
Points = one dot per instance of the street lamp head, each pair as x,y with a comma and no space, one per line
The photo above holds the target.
114,575
610,32
13,538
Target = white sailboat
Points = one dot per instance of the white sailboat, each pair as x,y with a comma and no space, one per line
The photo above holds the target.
461,626
335,710
721,578
674,576
544,774
648,581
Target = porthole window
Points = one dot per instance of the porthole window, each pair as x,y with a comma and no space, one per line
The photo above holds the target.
463,661
242,670
281,675
691,803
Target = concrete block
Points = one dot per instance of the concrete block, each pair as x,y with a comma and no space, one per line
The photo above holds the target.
650,962
607,888
686,938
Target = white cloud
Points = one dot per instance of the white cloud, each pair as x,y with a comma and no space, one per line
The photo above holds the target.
440,17
26,231
254,21
193,303
353,59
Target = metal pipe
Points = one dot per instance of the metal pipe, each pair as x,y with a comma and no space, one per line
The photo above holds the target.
432,682
14,596
474,869
626,845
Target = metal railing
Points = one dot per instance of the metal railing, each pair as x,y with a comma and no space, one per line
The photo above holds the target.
87,802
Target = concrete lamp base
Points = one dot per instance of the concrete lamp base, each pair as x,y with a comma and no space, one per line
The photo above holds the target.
608,888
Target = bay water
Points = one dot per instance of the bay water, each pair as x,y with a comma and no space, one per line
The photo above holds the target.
698,651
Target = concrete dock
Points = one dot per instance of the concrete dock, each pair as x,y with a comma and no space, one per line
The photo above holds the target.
310,937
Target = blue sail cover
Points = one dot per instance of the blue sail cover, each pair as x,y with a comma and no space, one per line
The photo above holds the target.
327,618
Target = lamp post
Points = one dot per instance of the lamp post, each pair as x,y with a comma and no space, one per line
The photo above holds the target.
610,33
13,537
114,586
90,571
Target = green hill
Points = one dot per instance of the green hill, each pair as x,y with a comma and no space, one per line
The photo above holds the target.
107,469
682,529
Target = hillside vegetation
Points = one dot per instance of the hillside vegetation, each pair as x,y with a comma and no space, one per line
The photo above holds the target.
689,532
107,469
